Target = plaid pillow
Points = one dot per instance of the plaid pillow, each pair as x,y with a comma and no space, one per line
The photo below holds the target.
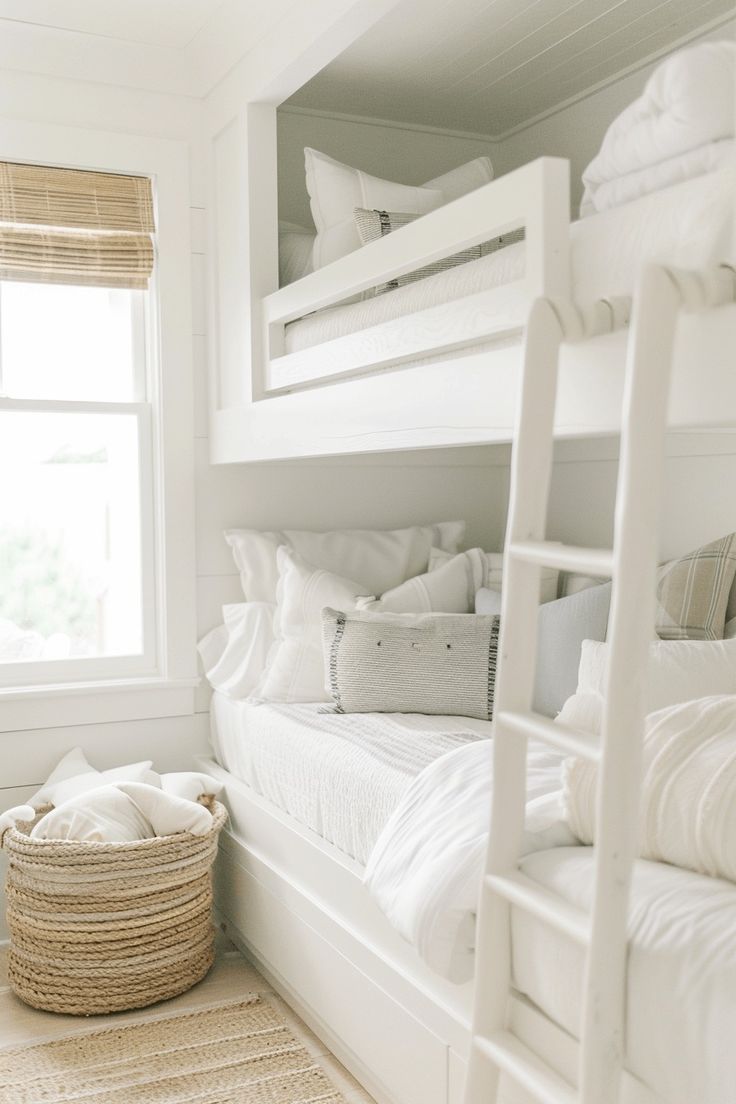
693,593
373,225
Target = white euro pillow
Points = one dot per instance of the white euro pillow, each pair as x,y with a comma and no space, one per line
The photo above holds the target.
234,654
688,806
335,190
379,558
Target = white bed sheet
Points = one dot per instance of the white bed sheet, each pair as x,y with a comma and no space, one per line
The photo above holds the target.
342,776
689,224
681,985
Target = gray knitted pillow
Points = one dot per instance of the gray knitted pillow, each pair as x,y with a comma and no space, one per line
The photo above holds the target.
437,663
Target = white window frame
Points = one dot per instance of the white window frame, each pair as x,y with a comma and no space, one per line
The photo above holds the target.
162,682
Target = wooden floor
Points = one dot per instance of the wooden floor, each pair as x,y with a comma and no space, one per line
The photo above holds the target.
230,977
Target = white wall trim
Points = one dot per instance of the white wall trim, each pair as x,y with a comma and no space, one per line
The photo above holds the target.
392,124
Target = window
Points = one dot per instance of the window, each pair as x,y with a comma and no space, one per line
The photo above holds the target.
78,599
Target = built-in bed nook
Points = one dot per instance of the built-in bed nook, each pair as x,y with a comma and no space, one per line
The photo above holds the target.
387,209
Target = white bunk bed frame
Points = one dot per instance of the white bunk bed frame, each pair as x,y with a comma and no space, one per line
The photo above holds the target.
297,905
443,376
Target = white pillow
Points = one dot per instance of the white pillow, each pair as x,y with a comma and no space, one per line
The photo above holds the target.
688,807
465,178
74,775
295,670
234,655
450,588
493,576
380,558
335,190
679,670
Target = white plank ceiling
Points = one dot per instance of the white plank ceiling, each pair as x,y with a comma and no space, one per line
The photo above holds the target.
490,65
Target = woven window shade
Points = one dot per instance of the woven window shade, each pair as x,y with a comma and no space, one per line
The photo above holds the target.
67,226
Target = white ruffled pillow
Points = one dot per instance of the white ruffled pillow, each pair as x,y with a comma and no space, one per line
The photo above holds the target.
688,809
380,558
234,655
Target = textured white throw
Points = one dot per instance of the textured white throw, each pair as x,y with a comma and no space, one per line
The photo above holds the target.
688,808
673,131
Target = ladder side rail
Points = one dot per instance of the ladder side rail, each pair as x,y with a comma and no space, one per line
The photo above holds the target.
637,524
531,470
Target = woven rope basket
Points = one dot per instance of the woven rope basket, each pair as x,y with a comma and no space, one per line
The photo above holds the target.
102,927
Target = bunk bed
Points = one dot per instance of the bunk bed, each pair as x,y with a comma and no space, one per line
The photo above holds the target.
307,370
324,377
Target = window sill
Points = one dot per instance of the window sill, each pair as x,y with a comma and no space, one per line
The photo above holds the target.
58,706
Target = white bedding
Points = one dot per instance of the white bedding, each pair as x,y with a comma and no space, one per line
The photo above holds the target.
425,870
341,776
689,224
681,987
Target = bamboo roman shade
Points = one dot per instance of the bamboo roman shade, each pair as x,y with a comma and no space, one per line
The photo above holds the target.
68,226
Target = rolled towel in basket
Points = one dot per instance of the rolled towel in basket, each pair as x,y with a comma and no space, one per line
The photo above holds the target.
123,812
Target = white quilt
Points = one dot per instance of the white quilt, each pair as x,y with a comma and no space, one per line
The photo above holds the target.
425,869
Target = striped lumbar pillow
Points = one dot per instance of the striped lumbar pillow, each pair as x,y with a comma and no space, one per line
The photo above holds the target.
374,224
442,664
693,592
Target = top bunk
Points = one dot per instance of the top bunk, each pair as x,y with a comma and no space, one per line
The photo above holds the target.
404,291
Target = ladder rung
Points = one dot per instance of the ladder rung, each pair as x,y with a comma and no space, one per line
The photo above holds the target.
536,727
518,1061
597,562
545,904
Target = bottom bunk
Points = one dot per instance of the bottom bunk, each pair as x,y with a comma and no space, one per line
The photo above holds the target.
298,905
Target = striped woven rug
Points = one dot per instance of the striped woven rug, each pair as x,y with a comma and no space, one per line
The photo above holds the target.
239,1052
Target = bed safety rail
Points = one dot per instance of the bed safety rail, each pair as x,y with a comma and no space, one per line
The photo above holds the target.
535,197
662,293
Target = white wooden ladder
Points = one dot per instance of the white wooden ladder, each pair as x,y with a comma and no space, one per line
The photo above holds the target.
632,563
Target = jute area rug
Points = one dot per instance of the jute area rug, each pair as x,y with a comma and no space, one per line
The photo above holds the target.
239,1052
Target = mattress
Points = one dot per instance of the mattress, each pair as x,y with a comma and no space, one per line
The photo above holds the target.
688,225
681,985
342,776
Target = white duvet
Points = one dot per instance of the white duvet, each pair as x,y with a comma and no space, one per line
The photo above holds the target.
425,868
